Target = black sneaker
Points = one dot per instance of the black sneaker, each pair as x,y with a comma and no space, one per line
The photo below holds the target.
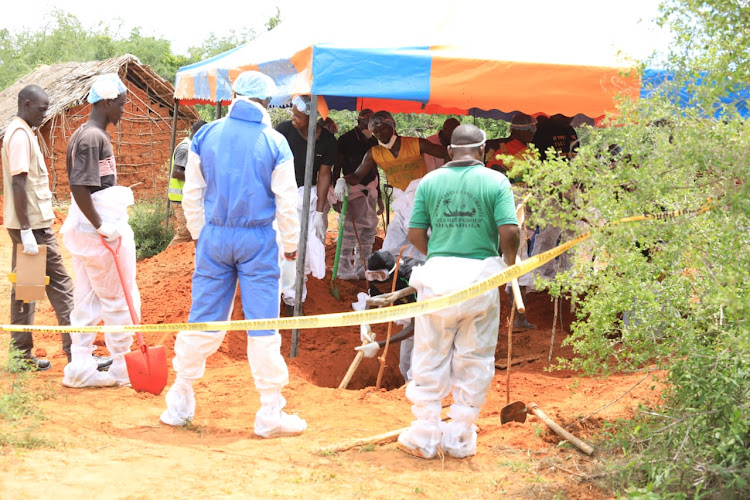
102,362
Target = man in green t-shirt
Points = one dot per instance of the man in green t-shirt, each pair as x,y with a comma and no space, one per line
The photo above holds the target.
470,210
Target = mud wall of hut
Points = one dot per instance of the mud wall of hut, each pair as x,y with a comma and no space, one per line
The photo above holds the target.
140,140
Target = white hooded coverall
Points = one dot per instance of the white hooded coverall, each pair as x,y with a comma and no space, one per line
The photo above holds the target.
98,294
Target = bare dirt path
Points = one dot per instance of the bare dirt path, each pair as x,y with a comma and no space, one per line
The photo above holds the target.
109,442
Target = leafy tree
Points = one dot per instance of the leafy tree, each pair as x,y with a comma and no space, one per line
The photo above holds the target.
274,21
215,44
64,39
155,52
669,294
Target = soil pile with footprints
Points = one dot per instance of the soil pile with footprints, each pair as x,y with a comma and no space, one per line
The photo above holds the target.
109,442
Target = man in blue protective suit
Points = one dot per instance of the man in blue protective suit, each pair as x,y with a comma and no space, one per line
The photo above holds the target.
240,189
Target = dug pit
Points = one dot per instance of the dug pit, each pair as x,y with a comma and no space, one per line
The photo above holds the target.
324,354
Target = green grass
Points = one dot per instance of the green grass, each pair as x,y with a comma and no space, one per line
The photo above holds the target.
20,412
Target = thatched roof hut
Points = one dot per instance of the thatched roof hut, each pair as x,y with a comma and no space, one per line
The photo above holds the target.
141,139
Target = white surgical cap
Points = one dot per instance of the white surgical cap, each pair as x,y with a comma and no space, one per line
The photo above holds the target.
303,103
254,84
106,86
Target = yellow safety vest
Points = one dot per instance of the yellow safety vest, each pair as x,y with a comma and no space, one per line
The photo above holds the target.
174,193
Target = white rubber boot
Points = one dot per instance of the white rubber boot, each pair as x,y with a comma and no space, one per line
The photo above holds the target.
180,403
459,439
118,344
272,422
423,437
82,370
460,434
271,374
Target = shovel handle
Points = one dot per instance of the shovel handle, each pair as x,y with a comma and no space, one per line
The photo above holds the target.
339,238
131,308
584,447
517,297
352,368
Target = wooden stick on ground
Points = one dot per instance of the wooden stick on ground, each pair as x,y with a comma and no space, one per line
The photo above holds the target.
584,447
517,361
378,438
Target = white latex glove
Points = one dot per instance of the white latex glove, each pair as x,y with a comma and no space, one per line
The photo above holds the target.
366,334
369,350
319,226
29,242
288,273
341,189
109,231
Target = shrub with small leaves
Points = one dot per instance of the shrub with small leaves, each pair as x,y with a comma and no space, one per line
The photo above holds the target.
147,218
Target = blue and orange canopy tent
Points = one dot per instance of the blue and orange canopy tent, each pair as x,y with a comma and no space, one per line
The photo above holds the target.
416,59
429,66
446,59
411,59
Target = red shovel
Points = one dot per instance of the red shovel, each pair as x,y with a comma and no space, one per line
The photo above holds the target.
147,367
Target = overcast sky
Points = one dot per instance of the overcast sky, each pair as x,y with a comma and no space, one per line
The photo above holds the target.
188,23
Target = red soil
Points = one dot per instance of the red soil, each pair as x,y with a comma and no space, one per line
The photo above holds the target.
115,433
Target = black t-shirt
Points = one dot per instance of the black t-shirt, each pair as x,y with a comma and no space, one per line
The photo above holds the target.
353,146
90,160
560,136
326,150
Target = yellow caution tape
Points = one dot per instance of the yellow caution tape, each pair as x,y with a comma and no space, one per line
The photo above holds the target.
371,316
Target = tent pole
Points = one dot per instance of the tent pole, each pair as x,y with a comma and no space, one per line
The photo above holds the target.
171,153
305,222
218,110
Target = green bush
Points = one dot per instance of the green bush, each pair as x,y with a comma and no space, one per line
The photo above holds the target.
20,395
670,294
147,220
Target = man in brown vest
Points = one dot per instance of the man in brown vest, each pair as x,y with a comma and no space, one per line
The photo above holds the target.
29,216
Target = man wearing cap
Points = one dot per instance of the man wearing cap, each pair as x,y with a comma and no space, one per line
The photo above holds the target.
401,160
295,132
239,186
98,213
470,210
522,128
29,216
363,199
442,137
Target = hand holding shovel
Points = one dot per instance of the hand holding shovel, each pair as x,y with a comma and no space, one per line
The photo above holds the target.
147,367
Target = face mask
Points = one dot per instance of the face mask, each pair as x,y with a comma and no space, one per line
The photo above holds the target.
476,144
390,143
